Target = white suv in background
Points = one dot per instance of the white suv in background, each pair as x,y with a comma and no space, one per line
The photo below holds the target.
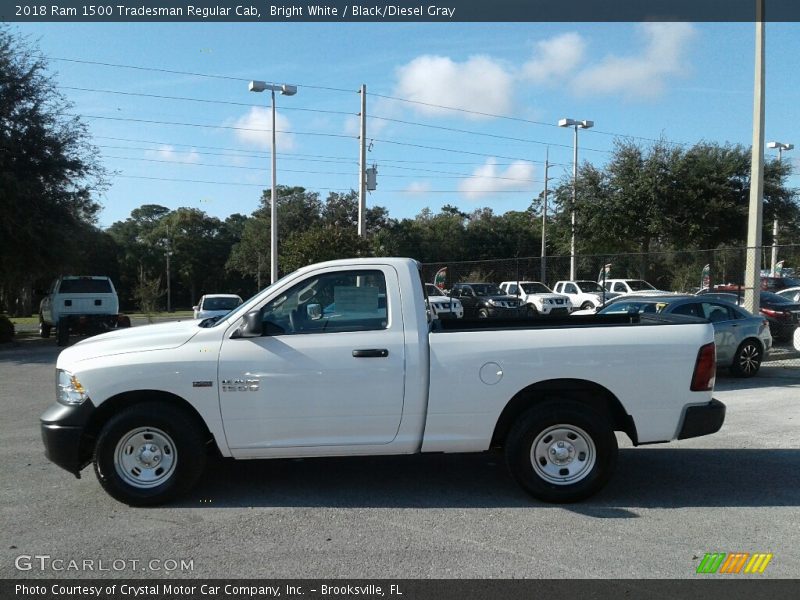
216,305
538,297
584,294
632,286
442,305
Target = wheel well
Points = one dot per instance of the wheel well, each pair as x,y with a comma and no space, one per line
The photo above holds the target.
116,403
586,392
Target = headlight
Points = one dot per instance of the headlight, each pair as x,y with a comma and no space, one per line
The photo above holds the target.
69,390
491,302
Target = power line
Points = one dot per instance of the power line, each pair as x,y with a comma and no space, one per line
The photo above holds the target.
251,157
174,72
481,133
335,89
354,174
187,99
264,185
202,125
456,151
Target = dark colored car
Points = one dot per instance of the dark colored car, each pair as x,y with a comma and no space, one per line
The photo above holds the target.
782,313
484,300
776,284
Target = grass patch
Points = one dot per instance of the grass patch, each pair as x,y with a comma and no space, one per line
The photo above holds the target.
178,314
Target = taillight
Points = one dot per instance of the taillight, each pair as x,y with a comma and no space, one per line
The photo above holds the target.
705,369
777,314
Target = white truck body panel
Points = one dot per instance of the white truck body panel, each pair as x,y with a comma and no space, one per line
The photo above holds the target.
307,395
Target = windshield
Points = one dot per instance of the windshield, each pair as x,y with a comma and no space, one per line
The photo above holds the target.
590,287
221,303
631,307
85,286
535,288
775,298
485,289
637,285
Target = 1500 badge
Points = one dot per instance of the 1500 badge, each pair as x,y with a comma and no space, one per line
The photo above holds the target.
240,385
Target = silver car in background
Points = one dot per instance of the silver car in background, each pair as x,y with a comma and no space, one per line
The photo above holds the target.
743,340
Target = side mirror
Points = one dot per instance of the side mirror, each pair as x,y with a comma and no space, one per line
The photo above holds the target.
314,311
194,308
252,325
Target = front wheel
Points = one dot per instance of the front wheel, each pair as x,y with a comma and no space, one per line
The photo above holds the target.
587,305
483,313
149,454
561,451
747,360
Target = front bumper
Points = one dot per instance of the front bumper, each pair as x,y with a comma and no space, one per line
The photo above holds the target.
702,420
63,430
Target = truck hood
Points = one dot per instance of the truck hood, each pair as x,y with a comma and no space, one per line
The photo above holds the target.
159,336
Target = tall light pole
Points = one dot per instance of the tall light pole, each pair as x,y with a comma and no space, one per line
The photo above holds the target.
780,146
286,90
576,125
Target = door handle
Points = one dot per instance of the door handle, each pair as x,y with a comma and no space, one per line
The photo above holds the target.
371,353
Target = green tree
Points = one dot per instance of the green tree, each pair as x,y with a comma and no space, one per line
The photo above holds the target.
48,173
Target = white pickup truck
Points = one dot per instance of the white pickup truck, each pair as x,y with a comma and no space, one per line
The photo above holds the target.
340,359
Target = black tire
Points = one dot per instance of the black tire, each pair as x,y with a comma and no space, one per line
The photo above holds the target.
748,357
62,333
587,305
179,444
530,311
44,328
483,313
590,456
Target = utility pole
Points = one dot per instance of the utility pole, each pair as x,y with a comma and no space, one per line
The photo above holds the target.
544,218
169,284
752,281
362,167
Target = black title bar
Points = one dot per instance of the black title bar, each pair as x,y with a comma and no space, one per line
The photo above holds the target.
398,11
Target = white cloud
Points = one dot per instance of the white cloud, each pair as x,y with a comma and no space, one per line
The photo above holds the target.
555,59
256,127
167,152
481,84
488,178
418,187
645,75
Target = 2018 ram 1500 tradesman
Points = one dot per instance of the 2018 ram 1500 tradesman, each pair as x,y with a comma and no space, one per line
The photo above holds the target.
339,358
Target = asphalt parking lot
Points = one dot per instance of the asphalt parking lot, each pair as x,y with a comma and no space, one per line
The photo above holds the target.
437,516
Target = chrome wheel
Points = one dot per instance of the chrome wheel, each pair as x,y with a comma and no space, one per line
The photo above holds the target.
563,454
748,359
145,457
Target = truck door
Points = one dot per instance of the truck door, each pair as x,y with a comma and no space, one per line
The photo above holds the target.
329,369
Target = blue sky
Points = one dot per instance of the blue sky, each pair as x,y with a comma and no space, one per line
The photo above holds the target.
685,82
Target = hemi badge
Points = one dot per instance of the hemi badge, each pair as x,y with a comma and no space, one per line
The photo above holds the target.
202,383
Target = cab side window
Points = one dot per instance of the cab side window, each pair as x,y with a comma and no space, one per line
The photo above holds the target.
330,303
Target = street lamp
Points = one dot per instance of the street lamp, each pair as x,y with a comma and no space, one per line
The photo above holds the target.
780,146
576,125
286,90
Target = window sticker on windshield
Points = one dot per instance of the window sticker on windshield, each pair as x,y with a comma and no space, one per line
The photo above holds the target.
355,299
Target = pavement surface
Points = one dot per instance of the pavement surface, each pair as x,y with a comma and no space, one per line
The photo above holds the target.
429,516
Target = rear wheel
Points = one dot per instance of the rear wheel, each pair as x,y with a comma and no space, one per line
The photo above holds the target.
747,360
44,328
62,333
561,451
149,454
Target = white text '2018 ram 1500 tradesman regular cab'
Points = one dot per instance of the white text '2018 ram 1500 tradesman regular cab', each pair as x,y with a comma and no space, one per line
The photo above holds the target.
340,359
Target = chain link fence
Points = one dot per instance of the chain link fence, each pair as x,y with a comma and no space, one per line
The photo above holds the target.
721,270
